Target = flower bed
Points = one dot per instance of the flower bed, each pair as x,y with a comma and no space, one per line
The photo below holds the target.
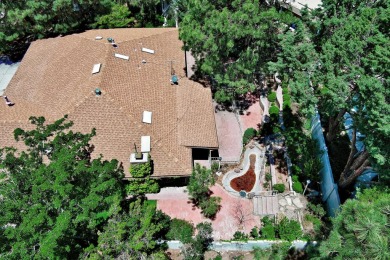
246,181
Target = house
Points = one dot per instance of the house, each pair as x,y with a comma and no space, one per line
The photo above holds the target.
129,84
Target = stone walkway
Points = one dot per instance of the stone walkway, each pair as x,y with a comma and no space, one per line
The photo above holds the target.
290,204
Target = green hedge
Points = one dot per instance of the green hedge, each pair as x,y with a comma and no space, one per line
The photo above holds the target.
273,110
279,187
271,97
248,135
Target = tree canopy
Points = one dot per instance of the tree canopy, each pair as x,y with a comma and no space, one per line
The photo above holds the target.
337,60
361,229
232,41
58,202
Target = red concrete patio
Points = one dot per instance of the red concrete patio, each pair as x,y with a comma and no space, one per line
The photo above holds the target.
252,117
175,203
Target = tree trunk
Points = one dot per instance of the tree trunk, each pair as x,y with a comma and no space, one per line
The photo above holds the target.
334,125
351,154
355,170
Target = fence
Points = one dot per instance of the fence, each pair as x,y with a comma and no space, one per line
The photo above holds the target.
330,194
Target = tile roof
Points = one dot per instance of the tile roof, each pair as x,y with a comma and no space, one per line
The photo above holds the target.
55,78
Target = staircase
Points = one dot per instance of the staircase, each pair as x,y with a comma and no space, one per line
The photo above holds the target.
265,205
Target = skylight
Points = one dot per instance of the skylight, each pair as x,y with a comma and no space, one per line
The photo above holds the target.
147,117
148,50
145,144
96,68
120,56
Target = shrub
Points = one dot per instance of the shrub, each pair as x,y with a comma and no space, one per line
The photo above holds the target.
284,85
271,97
279,187
255,232
289,229
210,206
240,236
273,110
287,104
317,224
284,89
297,186
214,167
248,135
316,209
268,177
286,97
180,230
268,231
294,178
140,170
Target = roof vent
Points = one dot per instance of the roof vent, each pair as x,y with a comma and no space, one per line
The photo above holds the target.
98,37
148,50
8,102
120,56
98,92
96,68
174,80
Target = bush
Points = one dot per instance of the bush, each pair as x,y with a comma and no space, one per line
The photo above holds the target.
317,224
287,104
210,206
289,229
240,236
316,209
284,85
273,110
297,186
248,135
294,178
255,233
279,187
286,97
271,97
268,232
180,230
140,170
284,89
268,177
214,167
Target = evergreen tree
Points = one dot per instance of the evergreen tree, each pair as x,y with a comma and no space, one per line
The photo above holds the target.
360,230
54,196
232,41
339,60
26,21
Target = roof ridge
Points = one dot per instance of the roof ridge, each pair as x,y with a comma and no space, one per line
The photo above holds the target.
147,37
